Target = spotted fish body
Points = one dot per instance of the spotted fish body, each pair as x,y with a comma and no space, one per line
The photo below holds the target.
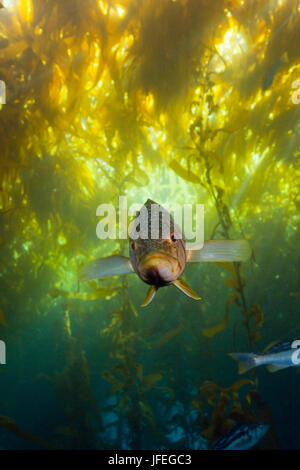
276,357
158,261
158,253
242,437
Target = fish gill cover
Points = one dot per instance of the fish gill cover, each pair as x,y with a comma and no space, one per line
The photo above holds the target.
183,101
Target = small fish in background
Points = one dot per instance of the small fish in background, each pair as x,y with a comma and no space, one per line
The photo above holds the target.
270,75
242,437
160,261
276,357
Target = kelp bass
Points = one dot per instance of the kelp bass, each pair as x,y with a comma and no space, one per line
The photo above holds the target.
160,260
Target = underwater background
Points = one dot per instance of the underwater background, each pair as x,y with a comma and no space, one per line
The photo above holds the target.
183,101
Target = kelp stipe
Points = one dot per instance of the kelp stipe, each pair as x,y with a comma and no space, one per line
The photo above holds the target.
73,385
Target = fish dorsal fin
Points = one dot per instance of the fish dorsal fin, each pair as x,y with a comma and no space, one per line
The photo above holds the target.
104,267
270,346
186,289
220,251
150,295
149,202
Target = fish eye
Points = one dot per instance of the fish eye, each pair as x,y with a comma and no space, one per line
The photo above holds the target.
173,238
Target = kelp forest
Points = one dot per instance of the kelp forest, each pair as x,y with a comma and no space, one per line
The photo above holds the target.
179,101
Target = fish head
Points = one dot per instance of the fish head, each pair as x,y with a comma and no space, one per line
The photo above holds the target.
261,429
156,246
159,263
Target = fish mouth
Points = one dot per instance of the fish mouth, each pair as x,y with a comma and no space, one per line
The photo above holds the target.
158,269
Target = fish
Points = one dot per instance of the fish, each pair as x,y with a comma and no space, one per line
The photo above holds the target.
242,436
160,260
270,74
276,357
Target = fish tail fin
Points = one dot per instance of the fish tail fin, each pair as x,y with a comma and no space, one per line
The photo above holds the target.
246,361
220,251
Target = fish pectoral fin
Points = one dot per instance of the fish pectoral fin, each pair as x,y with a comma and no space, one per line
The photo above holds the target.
150,295
220,251
104,267
186,289
270,346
